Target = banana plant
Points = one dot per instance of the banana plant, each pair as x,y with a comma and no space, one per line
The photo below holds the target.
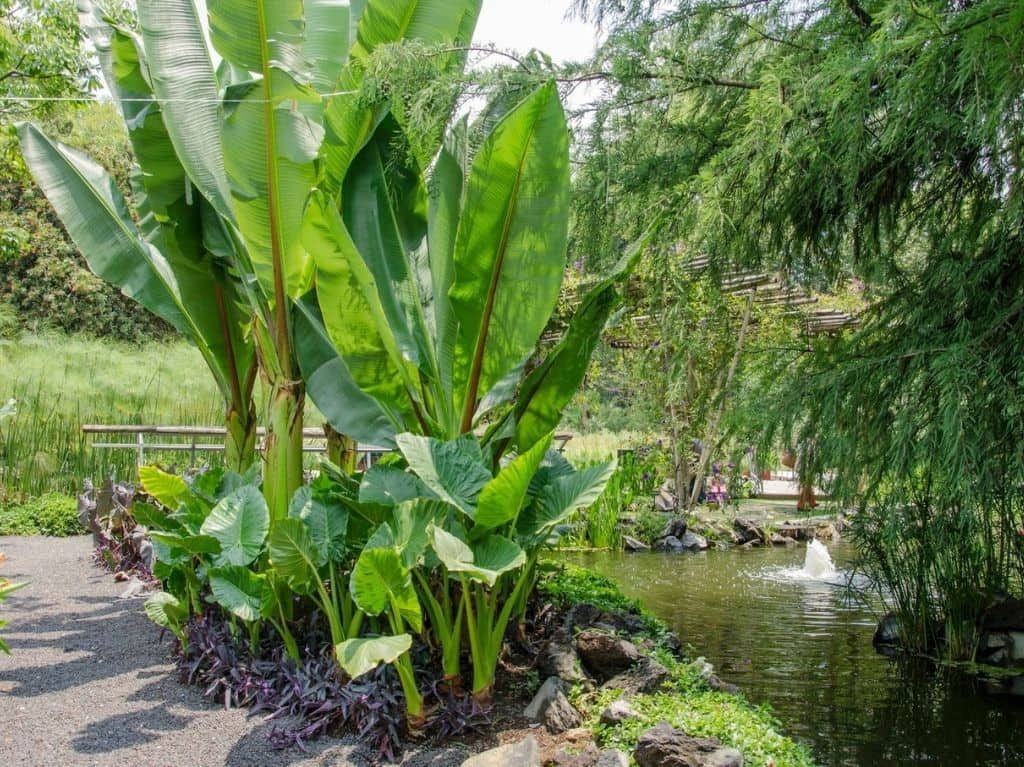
432,302
240,113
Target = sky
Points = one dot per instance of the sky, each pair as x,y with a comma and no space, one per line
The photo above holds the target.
524,24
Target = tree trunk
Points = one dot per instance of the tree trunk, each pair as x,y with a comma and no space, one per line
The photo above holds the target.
341,450
712,432
282,451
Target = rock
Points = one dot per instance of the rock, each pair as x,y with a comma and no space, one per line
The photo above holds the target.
612,757
535,710
665,499
135,588
560,659
588,757
669,544
525,753
702,668
629,543
560,715
887,631
646,677
665,746
618,711
605,655
694,542
782,540
584,616
675,527
748,531
1007,615
719,685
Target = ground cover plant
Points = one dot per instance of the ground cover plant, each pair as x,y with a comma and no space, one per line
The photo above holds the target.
51,514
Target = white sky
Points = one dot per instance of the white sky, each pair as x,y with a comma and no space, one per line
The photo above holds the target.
524,24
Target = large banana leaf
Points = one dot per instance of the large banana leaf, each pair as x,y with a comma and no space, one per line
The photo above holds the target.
510,248
97,217
185,83
346,407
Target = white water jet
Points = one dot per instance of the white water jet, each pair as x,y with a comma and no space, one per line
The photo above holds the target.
817,562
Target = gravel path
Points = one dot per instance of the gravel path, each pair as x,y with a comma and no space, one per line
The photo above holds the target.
89,683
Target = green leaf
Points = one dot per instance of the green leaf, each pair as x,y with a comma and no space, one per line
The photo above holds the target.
411,521
389,486
293,555
380,582
199,545
561,497
349,409
430,21
486,561
169,489
241,591
327,521
511,245
454,470
165,610
240,523
186,86
154,519
358,656
502,497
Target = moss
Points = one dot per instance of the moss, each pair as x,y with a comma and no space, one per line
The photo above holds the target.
685,701
50,514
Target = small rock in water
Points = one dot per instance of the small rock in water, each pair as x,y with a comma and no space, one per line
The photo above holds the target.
525,753
633,544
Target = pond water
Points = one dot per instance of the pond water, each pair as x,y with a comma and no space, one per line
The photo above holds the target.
804,646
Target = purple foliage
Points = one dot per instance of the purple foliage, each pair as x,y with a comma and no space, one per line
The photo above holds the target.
457,714
313,695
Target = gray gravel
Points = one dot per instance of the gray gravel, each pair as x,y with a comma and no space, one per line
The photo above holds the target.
89,682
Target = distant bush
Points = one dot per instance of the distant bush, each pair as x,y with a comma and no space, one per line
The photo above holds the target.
51,514
45,281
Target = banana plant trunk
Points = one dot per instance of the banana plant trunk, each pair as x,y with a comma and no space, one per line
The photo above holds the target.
341,450
282,450
240,440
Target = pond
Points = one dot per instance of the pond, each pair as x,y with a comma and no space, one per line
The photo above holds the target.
804,647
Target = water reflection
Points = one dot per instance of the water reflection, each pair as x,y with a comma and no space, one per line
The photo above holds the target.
804,646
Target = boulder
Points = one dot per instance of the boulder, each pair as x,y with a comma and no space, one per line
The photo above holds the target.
747,530
718,685
629,543
560,715
584,616
665,499
887,631
605,655
558,658
534,711
674,527
665,746
646,677
782,540
612,757
568,757
694,542
670,544
617,712
1007,615
525,753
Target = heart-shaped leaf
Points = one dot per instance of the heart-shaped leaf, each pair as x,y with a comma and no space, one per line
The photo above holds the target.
358,656
240,591
379,581
239,522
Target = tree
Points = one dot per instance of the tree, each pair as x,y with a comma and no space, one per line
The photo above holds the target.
881,139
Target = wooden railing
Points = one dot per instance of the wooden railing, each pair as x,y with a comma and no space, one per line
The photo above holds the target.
203,439
198,440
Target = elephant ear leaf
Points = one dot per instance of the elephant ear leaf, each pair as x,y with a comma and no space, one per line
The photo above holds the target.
240,591
165,610
327,522
359,656
561,497
169,489
380,581
454,470
502,497
239,522
294,555
485,562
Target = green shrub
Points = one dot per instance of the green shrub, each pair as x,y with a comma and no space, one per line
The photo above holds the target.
51,514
